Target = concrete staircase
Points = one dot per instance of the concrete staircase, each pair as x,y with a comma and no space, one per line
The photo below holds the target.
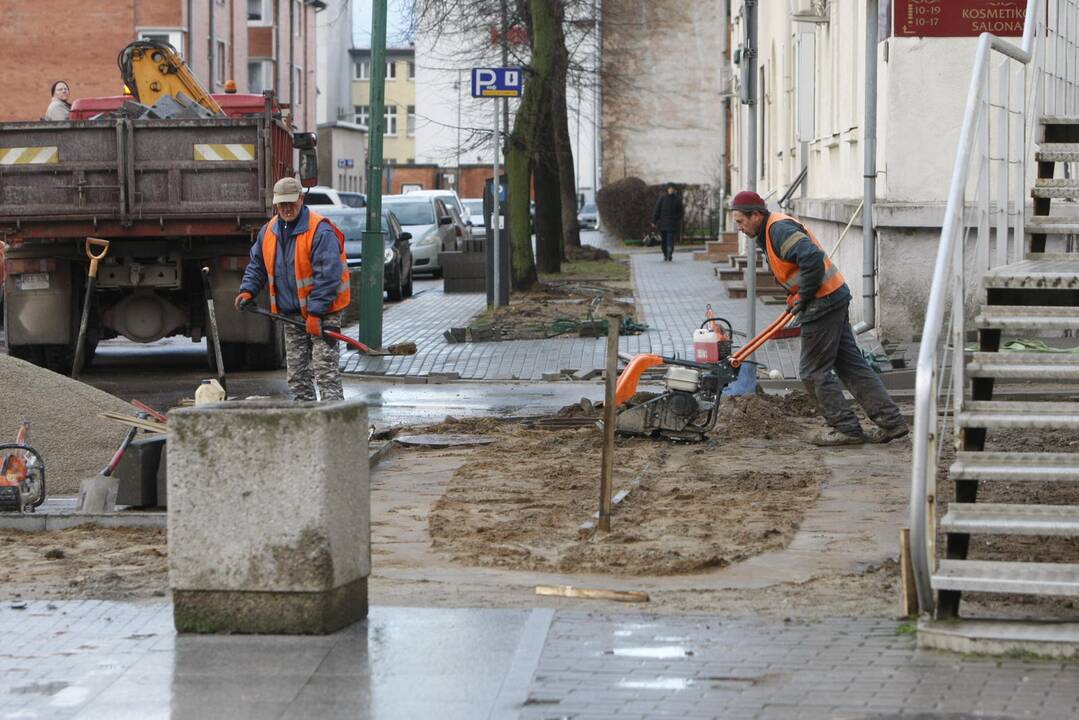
1038,295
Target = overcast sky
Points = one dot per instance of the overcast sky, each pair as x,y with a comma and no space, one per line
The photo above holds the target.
361,23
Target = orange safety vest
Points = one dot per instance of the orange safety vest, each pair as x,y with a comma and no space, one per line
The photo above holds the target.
788,273
305,272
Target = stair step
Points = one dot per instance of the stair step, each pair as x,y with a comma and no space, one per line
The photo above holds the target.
1053,224
1035,274
1059,120
1002,519
1015,466
1059,192
1056,152
1007,577
1022,366
1052,257
1019,414
1028,317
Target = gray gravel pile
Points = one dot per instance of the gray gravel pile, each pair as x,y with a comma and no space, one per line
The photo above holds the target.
64,426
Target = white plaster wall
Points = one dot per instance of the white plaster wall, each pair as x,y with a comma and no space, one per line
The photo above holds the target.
334,38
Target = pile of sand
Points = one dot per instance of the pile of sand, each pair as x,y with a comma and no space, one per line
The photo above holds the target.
64,426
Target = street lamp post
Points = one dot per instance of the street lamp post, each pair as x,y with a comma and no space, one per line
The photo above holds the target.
373,247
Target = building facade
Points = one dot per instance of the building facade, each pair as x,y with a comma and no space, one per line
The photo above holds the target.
260,44
399,138
663,83
811,89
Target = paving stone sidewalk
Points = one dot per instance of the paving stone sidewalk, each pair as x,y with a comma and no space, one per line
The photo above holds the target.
672,298
99,659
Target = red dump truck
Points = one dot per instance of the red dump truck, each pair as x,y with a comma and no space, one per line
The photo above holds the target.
171,196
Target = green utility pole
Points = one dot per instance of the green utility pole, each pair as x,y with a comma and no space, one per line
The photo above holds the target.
373,246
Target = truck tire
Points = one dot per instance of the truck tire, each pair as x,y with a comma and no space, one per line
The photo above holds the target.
268,356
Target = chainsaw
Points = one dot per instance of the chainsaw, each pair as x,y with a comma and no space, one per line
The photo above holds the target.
689,407
22,474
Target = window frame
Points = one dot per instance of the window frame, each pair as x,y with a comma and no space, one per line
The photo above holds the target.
365,112
365,63
170,33
390,116
410,121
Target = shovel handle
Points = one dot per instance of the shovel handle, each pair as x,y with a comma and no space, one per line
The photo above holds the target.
330,334
95,258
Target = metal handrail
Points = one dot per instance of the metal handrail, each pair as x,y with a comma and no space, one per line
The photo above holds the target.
949,278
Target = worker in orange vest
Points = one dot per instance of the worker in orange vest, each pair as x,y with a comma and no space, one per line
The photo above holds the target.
818,295
300,258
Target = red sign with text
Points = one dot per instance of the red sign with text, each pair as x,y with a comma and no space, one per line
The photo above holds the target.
959,18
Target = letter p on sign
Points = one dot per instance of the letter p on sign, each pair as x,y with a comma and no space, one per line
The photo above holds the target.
497,82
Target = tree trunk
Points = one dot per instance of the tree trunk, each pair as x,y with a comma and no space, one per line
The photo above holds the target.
548,200
571,234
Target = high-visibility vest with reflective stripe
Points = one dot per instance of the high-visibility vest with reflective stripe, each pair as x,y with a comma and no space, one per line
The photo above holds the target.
787,273
305,272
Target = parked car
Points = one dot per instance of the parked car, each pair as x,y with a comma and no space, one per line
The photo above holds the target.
588,217
323,195
397,255
435,227
474,208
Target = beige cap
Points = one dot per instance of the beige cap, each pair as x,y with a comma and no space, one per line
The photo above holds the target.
287,190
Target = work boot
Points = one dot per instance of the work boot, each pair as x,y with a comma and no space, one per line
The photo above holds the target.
833,438
882,435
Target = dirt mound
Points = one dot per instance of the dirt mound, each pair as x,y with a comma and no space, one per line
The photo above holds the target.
764,416
586,252
519,503
84,562
64,426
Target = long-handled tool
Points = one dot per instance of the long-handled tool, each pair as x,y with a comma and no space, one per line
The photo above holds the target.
405,348
91,281
215,339
751,347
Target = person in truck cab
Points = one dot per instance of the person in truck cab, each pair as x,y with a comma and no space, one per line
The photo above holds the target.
59,107
299,258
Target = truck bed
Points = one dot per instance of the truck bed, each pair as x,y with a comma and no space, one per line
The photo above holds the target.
118,177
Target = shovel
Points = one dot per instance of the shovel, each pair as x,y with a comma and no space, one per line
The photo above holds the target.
215,338
405,348
91,281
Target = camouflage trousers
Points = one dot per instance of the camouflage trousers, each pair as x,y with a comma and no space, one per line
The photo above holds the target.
313,362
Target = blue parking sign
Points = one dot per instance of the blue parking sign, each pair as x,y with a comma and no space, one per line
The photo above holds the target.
498,82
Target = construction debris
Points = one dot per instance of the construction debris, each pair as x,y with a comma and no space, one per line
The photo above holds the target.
568,591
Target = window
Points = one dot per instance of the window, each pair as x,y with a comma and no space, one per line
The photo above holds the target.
391,70
172,37
363,115
411,70
220,62
297,86
258,76
411,127
255,11
410,161
297,18
361,70
391,120
391,161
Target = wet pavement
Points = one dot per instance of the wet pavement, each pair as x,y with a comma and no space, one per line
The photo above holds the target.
97,659
671,299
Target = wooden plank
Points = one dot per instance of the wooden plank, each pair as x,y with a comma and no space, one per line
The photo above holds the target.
631,596
148,426
908,592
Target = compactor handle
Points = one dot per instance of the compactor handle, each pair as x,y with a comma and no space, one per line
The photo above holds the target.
751,347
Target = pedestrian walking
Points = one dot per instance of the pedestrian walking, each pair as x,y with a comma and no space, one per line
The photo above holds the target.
667,218
818,295
59,107
300,258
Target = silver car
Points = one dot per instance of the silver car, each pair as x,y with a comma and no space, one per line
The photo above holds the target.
474,207
432,226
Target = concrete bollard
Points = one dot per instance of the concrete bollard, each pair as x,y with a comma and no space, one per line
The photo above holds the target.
269,517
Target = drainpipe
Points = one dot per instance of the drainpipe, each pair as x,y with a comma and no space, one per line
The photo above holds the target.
190,31
212,50
869,140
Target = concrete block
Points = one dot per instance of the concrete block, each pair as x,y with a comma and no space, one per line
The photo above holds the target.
163,478
137,472
269,516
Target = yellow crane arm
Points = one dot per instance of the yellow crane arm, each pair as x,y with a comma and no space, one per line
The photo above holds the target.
152,70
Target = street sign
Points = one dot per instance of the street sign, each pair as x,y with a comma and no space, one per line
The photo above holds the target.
497,82
959,18
345,162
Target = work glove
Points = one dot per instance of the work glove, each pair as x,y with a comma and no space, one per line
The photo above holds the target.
242,299
314,325
799,305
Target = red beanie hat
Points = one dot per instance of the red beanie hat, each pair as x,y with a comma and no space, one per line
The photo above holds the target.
748,201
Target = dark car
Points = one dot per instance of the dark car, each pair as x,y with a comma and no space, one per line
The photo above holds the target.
397,253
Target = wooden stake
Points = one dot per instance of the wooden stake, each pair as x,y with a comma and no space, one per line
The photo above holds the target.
908,592
592,594
614,324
